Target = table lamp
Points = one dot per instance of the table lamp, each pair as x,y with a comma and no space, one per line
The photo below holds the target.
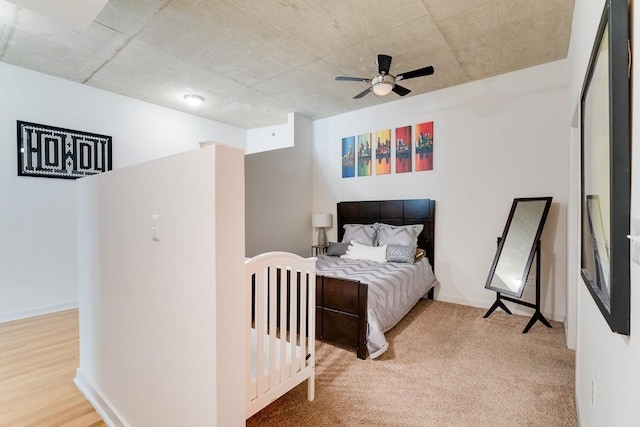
321,220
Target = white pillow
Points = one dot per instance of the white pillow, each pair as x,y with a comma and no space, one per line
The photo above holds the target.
367,253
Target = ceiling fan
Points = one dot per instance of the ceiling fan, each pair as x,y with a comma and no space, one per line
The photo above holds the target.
384,83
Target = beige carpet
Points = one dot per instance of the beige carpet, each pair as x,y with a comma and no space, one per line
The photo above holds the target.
446,366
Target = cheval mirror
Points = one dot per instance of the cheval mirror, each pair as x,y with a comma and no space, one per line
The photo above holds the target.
517,248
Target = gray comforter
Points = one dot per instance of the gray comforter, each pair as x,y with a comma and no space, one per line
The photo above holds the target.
394,288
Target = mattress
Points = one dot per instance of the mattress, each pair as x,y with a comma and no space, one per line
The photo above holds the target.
266,355
393,289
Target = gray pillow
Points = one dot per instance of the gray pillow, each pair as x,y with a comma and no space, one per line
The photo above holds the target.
399,235
360,233
401,253
337,248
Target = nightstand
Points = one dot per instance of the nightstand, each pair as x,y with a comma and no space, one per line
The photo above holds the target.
318,250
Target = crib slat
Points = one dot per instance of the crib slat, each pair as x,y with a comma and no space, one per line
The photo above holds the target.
272,332
261,284
304,282
293,323
311,333
283,323
250,278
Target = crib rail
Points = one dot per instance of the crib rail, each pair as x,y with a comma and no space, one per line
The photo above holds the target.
282,334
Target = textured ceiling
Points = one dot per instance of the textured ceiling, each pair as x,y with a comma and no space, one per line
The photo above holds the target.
254,61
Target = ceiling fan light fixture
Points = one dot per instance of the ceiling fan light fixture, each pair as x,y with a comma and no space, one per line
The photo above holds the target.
383,84
193,100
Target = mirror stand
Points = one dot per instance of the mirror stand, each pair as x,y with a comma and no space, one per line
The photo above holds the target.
537,315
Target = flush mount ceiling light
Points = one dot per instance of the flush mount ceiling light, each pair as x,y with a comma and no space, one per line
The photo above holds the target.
383,84
193,100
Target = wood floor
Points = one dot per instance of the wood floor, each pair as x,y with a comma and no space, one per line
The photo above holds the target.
38,360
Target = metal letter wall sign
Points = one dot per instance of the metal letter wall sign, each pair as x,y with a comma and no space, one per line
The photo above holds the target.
52,152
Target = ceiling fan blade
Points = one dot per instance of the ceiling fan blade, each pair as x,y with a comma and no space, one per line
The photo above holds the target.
384,64
363,93
426,71
353,79
401,90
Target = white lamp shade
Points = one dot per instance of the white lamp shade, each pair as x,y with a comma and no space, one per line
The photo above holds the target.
321,220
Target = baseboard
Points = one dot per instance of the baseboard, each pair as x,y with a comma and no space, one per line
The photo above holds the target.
516,309
577,402
37,311
103,407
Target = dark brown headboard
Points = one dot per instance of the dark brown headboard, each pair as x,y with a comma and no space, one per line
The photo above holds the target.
394,212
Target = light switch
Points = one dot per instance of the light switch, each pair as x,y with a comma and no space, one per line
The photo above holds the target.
155,227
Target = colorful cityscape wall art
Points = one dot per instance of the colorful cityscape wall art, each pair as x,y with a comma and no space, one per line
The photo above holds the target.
410,150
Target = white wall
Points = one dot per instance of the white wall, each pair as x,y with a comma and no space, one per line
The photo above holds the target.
495,140
602,357
279,195
272,137
155,343
38,254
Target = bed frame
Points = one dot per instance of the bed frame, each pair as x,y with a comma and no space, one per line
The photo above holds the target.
280,315
341,304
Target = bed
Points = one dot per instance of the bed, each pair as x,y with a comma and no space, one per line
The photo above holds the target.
347,300
280,314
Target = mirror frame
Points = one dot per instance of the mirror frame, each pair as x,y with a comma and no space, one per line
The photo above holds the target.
532,251
615,308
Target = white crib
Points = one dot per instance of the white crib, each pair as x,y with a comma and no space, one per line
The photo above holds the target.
281,312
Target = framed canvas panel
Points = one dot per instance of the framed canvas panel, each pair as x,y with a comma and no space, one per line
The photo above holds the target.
348,157
424,146
383,152
364,154
403,149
